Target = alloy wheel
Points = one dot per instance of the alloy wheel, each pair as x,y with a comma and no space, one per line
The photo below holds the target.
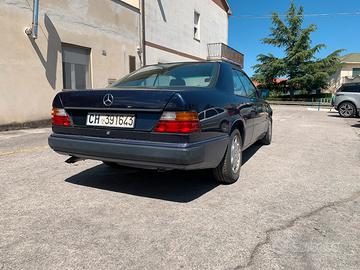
235,154
346,110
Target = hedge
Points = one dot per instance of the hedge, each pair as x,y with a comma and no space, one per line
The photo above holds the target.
300,97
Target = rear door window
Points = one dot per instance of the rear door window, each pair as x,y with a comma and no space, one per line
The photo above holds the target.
351,89
219,110
250,88
239,88
211,113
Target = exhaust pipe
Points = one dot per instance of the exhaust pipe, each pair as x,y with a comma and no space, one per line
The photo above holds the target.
73,159
33,31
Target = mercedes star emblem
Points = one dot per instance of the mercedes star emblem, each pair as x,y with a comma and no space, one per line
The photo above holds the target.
108,99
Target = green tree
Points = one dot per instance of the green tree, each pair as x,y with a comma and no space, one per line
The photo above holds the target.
300,65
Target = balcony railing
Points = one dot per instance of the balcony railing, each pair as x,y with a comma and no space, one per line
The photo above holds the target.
220,51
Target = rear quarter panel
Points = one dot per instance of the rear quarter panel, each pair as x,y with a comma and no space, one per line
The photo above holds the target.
351,97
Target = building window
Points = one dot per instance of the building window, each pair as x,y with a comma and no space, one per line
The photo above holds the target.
132,63
76,67
196,25
356,72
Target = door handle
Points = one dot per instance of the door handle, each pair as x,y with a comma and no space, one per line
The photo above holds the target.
248,104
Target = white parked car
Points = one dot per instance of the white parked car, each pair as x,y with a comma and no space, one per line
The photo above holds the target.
347,100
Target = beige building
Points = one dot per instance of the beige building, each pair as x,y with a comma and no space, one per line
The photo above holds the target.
182,30
348,73
90,43
80,44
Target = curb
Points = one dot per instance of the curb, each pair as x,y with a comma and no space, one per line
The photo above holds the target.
26,125
322,109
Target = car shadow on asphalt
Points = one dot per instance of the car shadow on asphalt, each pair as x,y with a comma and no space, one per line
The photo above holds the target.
248,153
336,115
174,186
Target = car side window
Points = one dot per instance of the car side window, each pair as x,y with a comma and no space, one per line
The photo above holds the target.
351,89
201,116
210,113
250,88
219,110
239,88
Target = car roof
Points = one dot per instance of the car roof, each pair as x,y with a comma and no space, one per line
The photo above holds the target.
351,84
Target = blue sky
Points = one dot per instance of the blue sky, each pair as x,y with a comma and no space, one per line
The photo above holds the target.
337,32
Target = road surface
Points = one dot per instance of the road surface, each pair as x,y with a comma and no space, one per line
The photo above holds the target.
296,206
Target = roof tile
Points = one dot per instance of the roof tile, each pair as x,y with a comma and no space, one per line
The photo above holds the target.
351,58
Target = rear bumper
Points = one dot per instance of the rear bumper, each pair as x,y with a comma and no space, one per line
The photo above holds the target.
144,154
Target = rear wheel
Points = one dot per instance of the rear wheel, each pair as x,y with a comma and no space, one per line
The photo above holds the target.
347,109
228,170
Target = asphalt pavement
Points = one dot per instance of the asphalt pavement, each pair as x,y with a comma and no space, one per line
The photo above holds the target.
295,206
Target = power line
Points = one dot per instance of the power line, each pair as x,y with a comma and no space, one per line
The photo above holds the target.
305,15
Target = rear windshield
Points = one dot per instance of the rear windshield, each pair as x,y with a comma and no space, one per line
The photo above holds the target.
171,75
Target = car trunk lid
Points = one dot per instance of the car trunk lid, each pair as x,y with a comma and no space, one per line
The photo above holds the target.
146,105
122,99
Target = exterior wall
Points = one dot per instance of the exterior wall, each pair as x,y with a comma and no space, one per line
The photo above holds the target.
155,56
170,24
344,75
347,69
31,70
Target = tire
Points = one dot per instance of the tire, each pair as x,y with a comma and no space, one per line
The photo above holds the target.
268,136
228,171
347,109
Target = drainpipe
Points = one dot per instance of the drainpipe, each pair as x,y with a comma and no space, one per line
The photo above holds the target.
143,31
33,31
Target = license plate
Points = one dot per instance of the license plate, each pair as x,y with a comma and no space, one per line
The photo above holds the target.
110,120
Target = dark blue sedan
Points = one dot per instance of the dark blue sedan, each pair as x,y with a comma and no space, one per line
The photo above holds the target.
185,116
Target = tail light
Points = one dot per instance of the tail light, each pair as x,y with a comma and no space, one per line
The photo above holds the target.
59,117
178,122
